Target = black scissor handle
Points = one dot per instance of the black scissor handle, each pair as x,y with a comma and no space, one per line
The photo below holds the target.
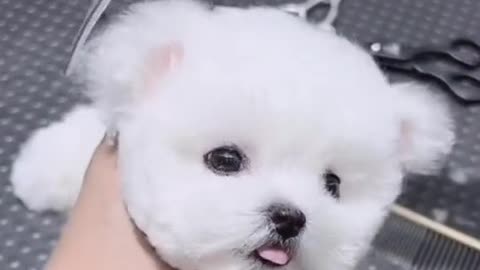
462,80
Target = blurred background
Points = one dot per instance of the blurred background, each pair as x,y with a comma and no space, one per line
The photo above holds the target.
436,222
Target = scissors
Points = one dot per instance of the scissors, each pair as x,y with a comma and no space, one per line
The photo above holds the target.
461,75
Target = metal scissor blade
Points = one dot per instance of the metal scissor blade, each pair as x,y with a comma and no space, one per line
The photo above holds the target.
302,10
93,15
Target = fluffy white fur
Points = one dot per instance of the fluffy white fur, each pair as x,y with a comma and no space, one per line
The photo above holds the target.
298,101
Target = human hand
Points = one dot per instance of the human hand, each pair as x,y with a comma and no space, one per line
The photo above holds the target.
99,233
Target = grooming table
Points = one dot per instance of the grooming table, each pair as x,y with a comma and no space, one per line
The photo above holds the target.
35,42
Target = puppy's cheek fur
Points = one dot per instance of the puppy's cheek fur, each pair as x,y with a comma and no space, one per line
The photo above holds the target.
172,201
343,242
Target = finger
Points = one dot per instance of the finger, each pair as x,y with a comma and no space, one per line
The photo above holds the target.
103,160
107,145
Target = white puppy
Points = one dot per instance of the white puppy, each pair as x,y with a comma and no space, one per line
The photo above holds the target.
249,139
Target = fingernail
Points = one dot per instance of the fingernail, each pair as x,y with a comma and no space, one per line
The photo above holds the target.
111,138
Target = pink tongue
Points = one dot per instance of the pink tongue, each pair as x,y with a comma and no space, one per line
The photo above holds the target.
276,256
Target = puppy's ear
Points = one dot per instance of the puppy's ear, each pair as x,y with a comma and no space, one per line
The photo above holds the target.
426,128
160,63
120,73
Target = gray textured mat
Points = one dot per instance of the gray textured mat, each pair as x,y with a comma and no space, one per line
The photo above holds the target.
35,38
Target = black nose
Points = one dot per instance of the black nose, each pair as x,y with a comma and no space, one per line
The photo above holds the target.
288,220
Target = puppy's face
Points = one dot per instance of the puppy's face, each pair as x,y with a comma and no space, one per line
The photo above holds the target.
247,147
258,178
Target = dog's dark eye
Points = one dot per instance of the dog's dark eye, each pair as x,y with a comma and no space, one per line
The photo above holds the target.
225,160
332,184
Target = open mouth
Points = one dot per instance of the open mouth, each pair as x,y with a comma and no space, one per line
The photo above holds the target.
273,255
